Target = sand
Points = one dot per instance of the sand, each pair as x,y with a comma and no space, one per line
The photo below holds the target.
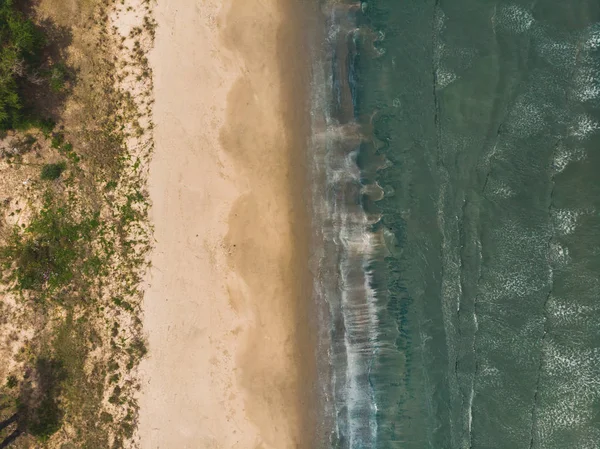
231,361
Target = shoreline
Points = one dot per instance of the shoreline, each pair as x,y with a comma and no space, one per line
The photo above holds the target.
295,98
227,310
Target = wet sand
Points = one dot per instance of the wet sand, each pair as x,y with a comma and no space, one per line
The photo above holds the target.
231,362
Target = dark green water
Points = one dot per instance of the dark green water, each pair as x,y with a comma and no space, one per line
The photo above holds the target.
457,201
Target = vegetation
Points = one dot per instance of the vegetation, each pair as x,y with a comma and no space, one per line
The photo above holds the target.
12,381
44,257
51,172
20,57
39,411
58,77
73,233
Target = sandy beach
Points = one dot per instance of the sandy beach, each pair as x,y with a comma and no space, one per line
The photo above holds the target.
226,310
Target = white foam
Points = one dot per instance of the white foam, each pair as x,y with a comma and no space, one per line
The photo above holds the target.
561,53
568,312
587,83
471,396
584,126
345,230
568,406
513,18
526,118
512,281
499,189
444,77
592,42
565,220
559,255
564,156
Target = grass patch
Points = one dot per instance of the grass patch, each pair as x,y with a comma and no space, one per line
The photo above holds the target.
46,126
58,77
120,302
57,140
44,257
81,391
51,172
12,382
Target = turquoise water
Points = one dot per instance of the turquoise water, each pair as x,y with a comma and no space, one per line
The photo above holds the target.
456,195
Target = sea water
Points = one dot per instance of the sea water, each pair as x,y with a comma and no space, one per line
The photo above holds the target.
455,173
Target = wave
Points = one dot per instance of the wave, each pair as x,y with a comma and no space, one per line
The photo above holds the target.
345,243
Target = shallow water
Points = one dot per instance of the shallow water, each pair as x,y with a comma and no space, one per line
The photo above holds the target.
456,192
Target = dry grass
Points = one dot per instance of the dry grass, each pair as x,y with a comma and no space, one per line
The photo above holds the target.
71,13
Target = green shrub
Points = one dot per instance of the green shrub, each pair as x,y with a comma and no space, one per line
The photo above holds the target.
58,77
128,430
110,185
115,397
48,419
12,382
57,140
138,348
44,125
50,172
122,303
21,48
45,255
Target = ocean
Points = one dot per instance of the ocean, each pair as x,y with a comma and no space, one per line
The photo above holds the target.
454,166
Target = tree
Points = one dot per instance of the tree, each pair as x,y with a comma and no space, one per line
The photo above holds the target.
21,46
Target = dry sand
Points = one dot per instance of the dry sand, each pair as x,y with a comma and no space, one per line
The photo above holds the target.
231,360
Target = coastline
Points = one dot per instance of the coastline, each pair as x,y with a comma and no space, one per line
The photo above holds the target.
231,361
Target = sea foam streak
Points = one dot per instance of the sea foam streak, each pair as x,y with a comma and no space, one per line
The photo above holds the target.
344,245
